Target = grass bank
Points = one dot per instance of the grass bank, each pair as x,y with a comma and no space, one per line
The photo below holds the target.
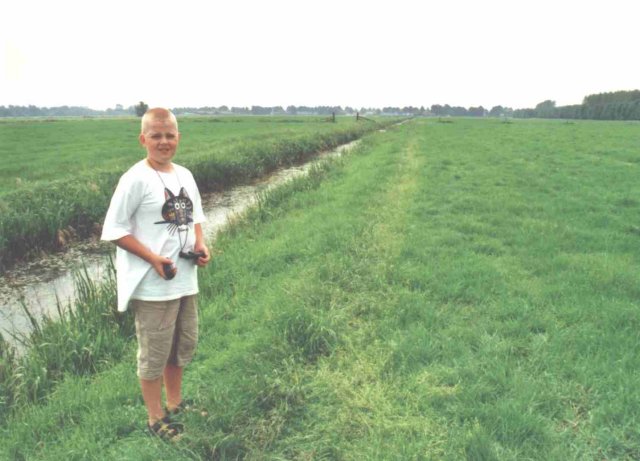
81,340
450,291
60,174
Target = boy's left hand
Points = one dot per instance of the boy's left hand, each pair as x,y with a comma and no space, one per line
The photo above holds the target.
202,260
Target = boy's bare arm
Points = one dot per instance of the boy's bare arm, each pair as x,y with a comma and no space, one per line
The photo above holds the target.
133,245
201,246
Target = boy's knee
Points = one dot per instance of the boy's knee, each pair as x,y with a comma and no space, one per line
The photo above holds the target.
155,326
187,333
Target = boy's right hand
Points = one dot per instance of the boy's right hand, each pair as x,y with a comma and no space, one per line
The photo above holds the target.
133,245
159,263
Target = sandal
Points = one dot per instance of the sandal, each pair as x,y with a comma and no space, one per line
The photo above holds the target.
165,429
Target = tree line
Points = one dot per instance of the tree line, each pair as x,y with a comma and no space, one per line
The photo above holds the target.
617,105
62,111
300,110
139,109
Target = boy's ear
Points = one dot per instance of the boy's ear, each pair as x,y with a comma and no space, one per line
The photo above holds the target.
142,139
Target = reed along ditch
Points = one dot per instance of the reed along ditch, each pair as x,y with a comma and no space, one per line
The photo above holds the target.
41,288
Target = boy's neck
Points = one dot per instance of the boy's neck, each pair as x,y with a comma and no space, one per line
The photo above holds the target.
164,167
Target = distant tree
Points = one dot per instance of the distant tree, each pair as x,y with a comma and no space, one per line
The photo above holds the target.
409,110
496,111
477,111
259,110
438,110
613,97
327,110
391,110
141,108
524,113
546,109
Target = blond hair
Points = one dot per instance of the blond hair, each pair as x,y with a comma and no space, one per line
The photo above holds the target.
157,114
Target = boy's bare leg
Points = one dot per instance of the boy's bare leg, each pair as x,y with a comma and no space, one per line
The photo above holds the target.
173,385
152,395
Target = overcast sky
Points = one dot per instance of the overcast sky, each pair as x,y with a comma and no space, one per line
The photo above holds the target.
372,53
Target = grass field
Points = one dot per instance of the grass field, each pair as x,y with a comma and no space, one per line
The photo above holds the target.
449,291
46,150
59,174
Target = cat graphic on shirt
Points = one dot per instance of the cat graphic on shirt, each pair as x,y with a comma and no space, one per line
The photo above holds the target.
177,211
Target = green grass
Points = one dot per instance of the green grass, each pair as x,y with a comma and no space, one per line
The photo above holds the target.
60,174
449,291
56,149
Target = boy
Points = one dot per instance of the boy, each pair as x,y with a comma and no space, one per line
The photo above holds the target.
154,219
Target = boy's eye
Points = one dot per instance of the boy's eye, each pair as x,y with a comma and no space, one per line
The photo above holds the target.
157,137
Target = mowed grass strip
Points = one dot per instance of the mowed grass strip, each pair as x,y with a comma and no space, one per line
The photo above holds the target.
521,289
447,292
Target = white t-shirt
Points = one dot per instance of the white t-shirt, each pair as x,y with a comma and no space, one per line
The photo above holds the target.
161,219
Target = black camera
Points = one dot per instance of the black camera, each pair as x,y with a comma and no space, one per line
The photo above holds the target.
192,255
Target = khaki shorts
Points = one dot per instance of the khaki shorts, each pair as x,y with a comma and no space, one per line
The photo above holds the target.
167,333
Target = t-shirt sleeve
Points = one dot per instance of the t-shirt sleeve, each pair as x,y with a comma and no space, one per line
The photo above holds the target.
126,199
198,213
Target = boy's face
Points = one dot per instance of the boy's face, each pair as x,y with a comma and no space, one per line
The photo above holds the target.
160,138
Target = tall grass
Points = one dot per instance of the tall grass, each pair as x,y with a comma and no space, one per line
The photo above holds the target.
7,377
83,338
